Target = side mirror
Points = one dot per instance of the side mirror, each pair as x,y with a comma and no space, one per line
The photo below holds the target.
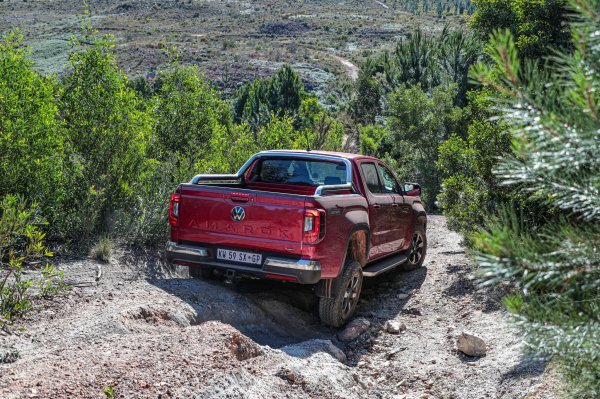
412,189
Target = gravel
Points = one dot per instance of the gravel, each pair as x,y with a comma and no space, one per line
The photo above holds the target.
150,331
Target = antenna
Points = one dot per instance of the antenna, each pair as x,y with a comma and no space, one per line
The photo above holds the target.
307,140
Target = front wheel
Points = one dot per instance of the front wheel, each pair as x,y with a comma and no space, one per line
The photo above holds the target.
418,250
336,311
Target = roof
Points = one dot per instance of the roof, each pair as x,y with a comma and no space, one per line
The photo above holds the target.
345,155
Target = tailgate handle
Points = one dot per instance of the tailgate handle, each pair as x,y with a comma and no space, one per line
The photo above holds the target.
240,197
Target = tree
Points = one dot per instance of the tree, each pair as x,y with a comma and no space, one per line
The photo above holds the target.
32,147
286,91
417,123
187,113
281,94
538,25
366,104
108,133
553,262
470,191
414,62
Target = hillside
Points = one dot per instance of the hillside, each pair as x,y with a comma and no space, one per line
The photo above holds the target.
233,41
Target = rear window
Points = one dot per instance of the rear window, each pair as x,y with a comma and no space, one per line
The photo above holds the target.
298,172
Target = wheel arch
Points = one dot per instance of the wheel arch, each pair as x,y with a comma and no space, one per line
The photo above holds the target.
357,247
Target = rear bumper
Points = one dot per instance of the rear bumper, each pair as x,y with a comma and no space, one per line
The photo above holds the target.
301,271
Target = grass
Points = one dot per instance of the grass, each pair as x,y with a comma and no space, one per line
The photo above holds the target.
102,250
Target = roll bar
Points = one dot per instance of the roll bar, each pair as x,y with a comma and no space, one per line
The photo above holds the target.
284,154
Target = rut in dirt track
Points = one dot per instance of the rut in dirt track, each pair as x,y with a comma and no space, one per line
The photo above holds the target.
148,331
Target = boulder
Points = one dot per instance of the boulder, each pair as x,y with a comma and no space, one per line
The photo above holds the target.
471,345
355,328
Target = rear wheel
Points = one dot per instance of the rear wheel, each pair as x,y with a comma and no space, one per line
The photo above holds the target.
204,273
418,250
338,310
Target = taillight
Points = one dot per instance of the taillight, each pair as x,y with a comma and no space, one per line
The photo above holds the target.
174,209
313,228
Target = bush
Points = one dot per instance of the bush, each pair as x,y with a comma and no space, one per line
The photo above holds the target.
469,190
32,145
417,123
21,248
554,263
109,133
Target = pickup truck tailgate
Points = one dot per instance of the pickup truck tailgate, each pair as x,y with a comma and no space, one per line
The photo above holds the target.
241,218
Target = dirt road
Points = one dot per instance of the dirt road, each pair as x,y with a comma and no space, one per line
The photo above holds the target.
151,332
350,68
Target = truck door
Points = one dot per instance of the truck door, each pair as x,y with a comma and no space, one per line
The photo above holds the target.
401,212
380,211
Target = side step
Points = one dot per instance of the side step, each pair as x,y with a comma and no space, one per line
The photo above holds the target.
384,265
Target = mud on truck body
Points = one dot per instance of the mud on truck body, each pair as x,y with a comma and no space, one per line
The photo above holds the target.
309,217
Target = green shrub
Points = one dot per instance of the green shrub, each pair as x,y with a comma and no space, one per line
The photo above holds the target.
32,145
417,123
470,192
109,134
554,263
21,248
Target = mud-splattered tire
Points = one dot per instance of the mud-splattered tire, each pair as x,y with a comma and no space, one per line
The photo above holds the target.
336,311
203,273
417,251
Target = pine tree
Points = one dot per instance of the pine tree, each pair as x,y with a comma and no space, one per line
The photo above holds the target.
554,260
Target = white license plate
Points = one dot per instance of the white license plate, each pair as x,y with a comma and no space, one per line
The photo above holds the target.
238,256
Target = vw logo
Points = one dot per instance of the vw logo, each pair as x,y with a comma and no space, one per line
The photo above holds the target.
238,214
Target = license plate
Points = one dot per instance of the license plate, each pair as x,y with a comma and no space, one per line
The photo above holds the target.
238,256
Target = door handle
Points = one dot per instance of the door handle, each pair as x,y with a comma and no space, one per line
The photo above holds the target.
394,205
376,206
239,197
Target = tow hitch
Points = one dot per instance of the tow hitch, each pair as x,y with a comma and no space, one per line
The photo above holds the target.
230,276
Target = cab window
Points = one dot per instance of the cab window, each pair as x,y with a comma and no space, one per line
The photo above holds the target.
390,185
371,177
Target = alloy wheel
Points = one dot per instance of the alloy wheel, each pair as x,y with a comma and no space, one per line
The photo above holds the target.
351,294
416,248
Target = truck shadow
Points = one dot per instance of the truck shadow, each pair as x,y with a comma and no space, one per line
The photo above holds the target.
277,313
270,313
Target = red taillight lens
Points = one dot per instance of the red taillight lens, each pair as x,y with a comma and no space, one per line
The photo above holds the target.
313,228
174,209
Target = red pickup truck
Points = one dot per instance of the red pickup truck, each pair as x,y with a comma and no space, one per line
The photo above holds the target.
308,217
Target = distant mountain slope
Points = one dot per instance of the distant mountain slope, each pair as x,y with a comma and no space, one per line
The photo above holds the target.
232,41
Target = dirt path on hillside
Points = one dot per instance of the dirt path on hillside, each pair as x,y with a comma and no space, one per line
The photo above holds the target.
151,332
351,69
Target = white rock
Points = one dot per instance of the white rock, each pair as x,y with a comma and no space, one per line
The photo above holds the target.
306,349
355,328
471,345
403,296
394,327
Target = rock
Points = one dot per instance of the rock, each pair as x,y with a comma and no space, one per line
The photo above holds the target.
243,347
9,355
394,327
308,348
471,345
291,376
402,296
355,328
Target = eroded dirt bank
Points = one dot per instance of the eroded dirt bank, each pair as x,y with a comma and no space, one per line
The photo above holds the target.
152,332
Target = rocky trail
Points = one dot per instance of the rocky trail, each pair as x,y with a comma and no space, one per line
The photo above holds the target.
149,331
